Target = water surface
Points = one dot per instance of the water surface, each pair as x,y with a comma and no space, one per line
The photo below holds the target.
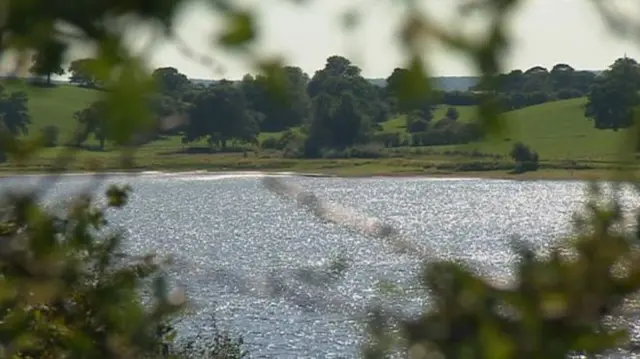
231,236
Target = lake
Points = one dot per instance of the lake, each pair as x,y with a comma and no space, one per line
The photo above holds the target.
233,239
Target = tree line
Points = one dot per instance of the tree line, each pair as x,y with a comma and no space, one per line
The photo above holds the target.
337,110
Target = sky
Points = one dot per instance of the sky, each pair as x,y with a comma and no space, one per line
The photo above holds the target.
546,32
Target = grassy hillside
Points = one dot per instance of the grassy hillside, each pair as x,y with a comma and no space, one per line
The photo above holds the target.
556,130
54,106
398,124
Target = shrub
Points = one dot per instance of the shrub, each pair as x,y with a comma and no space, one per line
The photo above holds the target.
388,140
416,122
270,143
473,166
216,345
289,140
293,152
416,125
526,159
367,151
452,114
446,132
362,151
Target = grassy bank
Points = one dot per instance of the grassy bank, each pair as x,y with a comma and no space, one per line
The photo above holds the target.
433,164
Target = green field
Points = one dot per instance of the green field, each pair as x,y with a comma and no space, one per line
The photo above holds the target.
558,131
54,106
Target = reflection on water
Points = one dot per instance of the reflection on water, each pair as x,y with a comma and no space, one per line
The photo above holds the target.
244,253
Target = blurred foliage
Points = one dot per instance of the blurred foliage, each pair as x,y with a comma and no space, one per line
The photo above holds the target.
560,303
66,291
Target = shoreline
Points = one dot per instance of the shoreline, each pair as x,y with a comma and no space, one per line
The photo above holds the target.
540,175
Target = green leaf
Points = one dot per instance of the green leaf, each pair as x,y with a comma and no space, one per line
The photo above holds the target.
118,196
350,19
273,79
240,29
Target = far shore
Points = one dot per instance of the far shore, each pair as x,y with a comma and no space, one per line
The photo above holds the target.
540,175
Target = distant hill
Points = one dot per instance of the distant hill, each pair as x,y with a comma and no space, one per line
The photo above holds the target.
453,83
445,83
203,81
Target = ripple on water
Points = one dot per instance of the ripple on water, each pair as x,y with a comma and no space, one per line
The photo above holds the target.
230,236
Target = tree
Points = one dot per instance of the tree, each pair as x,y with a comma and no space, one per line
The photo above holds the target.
562,77
452,114
171,82
614,95
399,88
290,108
93,120
526,159
15,112
81,71
517,89
335,67
220,113
338,123
342,101
346,107
171,114
323,107
512,82
416,122
47,60
349,124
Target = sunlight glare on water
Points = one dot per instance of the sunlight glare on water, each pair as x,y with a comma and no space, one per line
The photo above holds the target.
233,238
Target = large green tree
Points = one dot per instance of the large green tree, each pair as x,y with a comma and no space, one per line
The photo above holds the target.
170,114
82,74
47,60
93,120
220,113
288,108
339,76
171,82
399,91
614,95
345,106
339,122
335,67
